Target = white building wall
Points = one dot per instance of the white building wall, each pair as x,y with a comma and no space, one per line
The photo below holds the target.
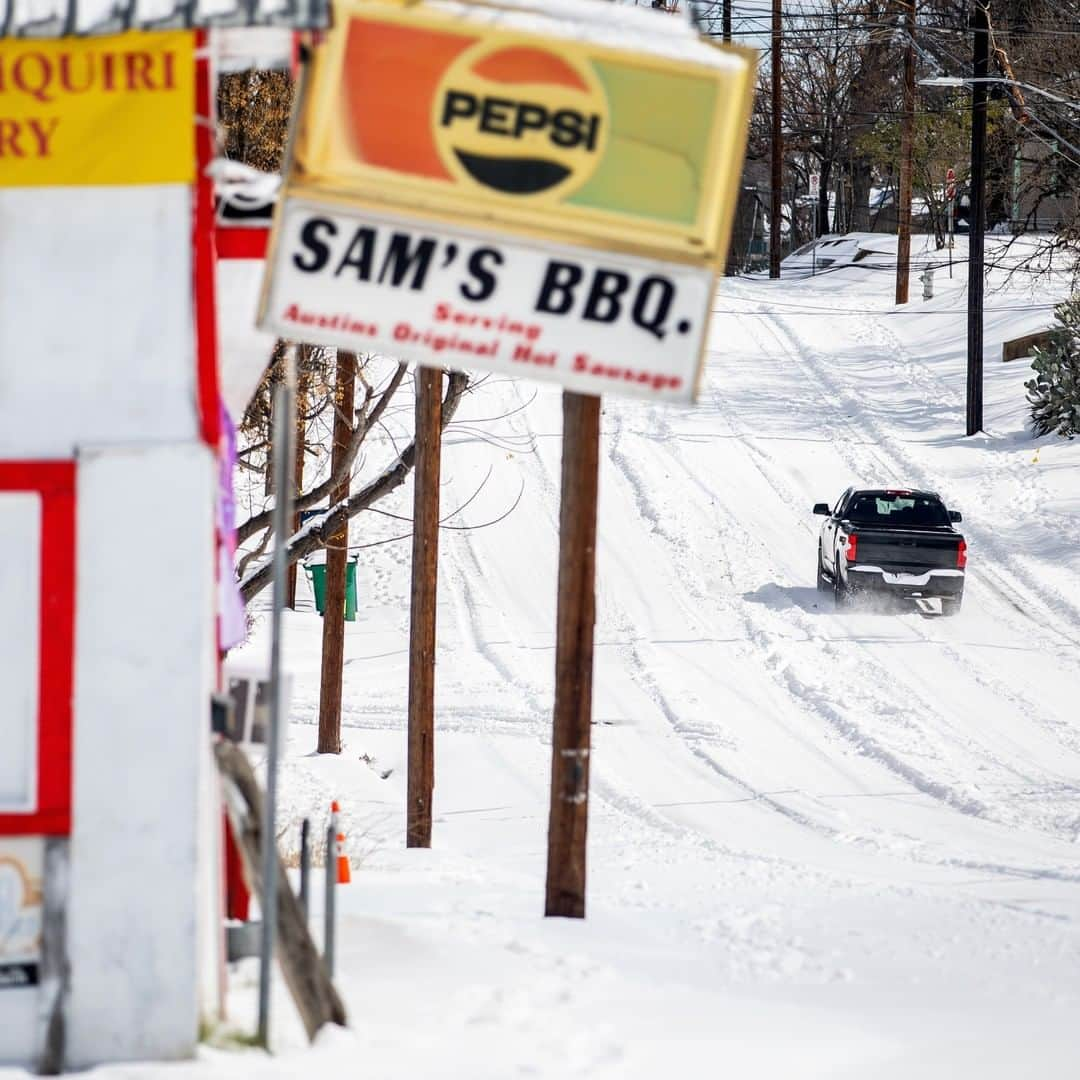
96,340
144,674
97,362
18,1032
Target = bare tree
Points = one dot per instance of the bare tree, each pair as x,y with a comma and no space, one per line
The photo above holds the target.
316,534
1033,158
253,117
839,75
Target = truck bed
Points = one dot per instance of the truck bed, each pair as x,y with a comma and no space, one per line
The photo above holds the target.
905,551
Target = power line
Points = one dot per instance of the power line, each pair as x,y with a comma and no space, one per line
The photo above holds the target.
833,312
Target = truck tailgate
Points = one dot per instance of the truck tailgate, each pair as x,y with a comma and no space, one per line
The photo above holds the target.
906,550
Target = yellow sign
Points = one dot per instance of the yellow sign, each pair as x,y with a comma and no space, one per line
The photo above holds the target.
97,110
534,133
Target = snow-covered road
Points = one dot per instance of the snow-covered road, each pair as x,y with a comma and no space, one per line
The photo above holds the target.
821,843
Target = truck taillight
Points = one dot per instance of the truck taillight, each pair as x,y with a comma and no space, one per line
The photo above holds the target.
851,549
961,555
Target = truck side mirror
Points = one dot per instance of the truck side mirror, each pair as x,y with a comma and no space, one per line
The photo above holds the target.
955,516
822,508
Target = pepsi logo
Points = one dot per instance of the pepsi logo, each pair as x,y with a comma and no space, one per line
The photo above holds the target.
520,120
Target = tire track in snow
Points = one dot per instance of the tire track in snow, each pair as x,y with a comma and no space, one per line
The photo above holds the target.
609,790
617,799
1067,735
869,430
797,690
470,581
744,541
1059,729
1027,483
918,849
963,741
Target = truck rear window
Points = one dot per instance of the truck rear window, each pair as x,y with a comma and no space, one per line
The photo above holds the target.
885,508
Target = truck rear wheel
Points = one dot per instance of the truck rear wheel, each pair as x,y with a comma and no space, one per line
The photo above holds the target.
951,607
841,592
823,583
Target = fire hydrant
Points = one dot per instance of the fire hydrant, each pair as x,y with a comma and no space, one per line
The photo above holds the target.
927,279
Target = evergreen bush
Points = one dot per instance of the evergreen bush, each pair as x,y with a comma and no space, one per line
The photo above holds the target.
1054,393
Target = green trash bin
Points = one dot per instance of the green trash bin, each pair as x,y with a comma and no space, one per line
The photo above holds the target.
317,572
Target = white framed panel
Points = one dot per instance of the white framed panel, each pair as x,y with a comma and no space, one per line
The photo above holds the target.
20,635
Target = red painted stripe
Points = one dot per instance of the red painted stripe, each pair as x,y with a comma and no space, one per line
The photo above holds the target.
204,258
55,482
237,243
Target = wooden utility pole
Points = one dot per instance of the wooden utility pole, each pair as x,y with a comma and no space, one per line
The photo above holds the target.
725,21
977,218
425,576
777,146
907,141
337,558
569,816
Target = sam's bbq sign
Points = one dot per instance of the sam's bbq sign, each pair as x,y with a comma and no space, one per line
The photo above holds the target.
97,111
461,298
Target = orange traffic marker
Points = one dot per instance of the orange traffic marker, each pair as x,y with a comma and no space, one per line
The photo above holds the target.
344,870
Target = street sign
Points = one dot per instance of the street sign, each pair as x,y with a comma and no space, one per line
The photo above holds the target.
815,185
502,191
950,185
465,298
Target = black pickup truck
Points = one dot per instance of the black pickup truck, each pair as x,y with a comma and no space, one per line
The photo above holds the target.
891,542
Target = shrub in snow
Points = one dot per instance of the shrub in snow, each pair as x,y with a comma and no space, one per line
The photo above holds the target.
1054,393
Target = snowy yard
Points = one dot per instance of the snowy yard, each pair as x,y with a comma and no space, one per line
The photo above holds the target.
822,844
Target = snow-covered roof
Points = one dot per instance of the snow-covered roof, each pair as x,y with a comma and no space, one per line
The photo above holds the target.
56,18
631,27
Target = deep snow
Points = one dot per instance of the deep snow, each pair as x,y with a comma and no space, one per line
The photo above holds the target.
821,844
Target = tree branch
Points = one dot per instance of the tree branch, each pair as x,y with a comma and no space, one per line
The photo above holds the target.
315,535
264,519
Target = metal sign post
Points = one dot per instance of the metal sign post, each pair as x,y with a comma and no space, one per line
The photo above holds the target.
950,199
284,430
